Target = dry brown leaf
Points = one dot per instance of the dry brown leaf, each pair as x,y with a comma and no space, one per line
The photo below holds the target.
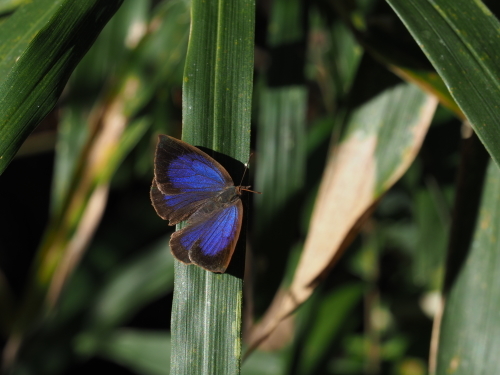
347,193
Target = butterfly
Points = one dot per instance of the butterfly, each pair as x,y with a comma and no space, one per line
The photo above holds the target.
190,185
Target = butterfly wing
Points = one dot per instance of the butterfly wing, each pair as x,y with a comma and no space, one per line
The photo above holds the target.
185,179
209,238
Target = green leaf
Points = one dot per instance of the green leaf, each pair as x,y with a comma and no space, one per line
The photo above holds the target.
21,28
468,338
217,94
460,38
35,73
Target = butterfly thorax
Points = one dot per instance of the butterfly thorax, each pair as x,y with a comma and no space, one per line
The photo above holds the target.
226,198
229,195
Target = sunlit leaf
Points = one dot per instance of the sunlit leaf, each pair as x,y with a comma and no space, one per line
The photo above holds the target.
460,38
36,62
217,93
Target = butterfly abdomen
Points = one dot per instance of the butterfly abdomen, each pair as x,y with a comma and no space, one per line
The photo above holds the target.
229,195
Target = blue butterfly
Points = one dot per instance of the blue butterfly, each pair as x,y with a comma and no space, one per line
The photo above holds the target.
190,185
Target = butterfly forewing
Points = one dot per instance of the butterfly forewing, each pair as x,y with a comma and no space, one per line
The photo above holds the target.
185,178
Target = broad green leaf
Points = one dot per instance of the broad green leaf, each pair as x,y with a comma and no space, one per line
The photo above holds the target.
34,75
381,140
21,28
460,38
217,93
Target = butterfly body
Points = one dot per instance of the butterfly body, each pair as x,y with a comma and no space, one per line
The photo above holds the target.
191,186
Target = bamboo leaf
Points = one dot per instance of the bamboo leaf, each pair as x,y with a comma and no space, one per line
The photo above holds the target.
469,339
206,313
470,271
460,38
35,73
16,36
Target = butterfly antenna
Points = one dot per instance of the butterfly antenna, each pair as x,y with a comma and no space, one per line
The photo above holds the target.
251,191
242,177
246,167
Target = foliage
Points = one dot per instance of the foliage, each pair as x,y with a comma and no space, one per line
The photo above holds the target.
374,211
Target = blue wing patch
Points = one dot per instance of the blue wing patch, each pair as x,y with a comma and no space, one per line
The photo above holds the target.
190,174
210,239
186,178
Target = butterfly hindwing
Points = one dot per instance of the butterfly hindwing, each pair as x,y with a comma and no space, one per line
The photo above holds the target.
210,237
185,179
